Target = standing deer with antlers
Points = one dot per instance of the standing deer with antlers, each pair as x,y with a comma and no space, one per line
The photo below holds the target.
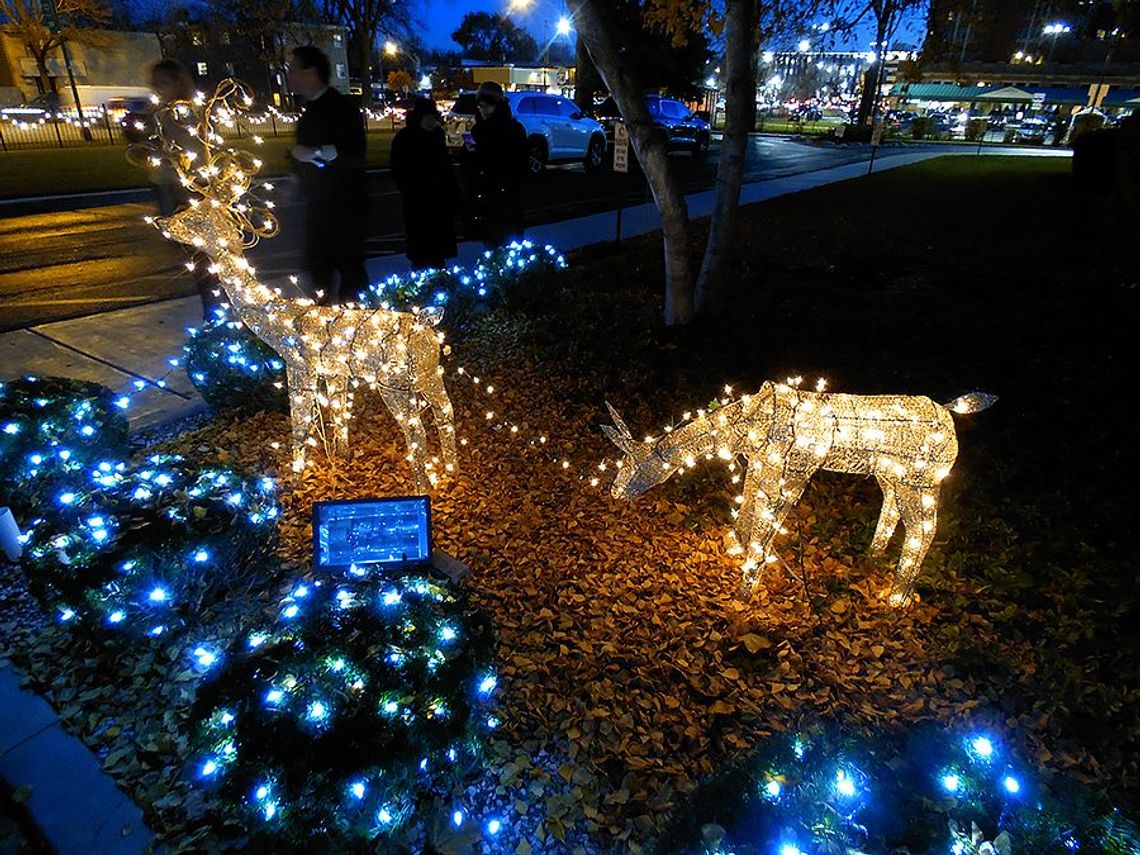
785,435
327,351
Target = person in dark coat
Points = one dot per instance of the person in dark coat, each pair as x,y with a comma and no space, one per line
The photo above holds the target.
330,158
171,82
498,165
422,170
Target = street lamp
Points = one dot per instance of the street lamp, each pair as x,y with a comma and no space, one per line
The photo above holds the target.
804,45
1054,30
391,48
563,28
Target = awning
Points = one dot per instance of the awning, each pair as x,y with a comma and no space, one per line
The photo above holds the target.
935,91
1007,94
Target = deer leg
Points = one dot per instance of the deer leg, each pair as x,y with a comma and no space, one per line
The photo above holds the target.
407,415
741,531
340,411
888,518
302,404
919,508
777,493
432,388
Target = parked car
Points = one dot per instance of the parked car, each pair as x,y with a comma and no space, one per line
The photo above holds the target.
684,130
459,121
1032,131
132,114
557,131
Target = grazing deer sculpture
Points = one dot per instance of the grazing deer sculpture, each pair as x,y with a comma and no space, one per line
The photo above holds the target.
907,443
328,350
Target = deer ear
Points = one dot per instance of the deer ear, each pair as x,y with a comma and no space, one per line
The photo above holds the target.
620,440
618,423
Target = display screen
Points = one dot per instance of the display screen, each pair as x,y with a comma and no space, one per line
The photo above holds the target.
372,531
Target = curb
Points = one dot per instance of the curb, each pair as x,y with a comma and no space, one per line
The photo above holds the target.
80,812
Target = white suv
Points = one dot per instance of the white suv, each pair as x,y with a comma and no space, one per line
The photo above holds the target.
557,131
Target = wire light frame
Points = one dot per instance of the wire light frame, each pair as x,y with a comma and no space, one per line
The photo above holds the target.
785,435
328,351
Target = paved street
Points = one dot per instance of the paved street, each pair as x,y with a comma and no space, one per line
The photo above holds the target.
67,257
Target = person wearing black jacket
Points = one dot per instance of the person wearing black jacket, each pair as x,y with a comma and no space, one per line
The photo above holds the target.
498,162
422,170
330,157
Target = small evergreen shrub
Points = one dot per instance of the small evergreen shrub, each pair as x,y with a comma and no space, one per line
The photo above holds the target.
339,725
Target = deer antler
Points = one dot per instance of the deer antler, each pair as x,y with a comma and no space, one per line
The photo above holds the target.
618,434
187,137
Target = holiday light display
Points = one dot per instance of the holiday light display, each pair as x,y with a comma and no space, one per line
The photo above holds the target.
233,369
364,697
785,435
51,430
518,276
920,791
134,547
328,351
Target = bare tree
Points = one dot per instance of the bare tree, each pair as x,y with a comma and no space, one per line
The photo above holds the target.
26,21
887,14
364,18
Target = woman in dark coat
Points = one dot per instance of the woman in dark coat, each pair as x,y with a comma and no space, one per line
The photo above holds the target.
422,169
499,163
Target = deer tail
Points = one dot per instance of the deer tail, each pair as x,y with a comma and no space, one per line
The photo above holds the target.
971,402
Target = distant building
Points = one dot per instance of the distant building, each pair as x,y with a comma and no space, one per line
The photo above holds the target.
556,79
116,68
1027,56
803,75
214,51
119,65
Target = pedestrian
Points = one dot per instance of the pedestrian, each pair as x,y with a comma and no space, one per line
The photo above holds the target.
422,170
329,158
498,160
170,82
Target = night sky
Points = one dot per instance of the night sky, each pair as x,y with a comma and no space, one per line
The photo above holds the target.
440,18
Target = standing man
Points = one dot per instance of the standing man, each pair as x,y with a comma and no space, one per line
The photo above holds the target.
329,157
499,162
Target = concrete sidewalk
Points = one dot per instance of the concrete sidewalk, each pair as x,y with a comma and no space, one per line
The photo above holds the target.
120,347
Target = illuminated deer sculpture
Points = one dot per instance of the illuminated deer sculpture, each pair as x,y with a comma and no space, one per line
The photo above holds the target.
907,443
328,351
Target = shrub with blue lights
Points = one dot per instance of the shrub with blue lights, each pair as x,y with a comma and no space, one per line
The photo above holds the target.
350,714
142,547
928,791
520,276
233,369
51,430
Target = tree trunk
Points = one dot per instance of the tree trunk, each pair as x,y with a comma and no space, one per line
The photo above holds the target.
740,117
869,100
649,145
365,40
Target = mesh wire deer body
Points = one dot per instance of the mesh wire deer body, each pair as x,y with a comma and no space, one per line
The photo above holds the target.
328,351
907,443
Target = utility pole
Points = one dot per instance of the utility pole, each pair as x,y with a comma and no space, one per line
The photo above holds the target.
51,16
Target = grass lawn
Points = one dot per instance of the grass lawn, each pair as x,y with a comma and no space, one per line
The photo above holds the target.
43,172
621,634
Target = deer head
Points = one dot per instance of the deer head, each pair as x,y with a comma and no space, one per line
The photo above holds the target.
643,465
225,215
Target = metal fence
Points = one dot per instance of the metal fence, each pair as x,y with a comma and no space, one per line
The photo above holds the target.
67,132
